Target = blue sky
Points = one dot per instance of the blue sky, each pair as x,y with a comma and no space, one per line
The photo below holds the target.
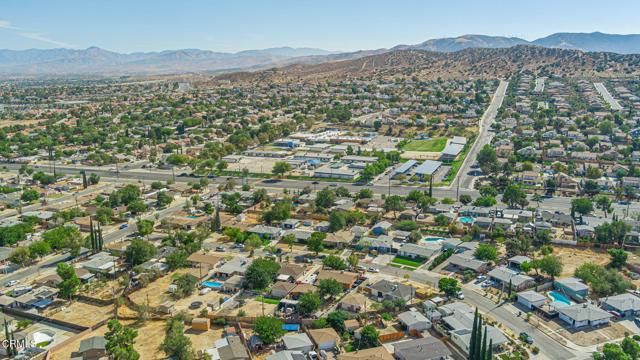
339,25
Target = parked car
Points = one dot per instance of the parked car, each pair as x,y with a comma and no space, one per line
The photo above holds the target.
11,283
195,305
205,290
374,270
123,226
460,295
220,248
526,338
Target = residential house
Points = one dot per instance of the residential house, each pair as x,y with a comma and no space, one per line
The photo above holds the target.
266,232
234,350
531,299
581,315
325,339
280,289
427,348
298,341
353,302
347,279
466,261
414,320
236,266
415,251
627,305
505,277
381,228
93,348
376,353
389,290
572,287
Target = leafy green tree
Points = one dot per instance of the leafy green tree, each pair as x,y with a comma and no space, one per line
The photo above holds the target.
612,233
582,206
185,285
514,196
145,227
39,249
551,265
618,258
449,286
139,251
394,203
269,329
486,252
336,319
603,203
488,160
325,198
315,242
177,260
261,273
334,262
163,199
465,199
120,340
70,282
353,260
20,255
137,207
176,344
631,347
289,240
29,195
368,337
308,303
280,168
330,287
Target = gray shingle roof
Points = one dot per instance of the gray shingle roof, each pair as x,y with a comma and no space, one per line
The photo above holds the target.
584,312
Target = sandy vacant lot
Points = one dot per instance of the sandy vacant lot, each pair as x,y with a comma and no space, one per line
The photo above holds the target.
573,257
150,336
83,314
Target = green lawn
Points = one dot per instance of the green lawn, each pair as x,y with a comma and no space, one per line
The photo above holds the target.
267,300
404,261
432,145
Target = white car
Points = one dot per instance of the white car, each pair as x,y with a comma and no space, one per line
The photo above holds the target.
11,283
460,295
205,290
374,270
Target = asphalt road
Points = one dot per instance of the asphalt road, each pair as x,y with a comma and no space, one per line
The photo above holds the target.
551,204
463,179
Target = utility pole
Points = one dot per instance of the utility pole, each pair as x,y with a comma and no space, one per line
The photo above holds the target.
117,171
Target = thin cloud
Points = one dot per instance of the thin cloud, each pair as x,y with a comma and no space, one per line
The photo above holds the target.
40,37
4,24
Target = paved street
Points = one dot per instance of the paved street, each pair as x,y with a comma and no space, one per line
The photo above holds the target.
463,179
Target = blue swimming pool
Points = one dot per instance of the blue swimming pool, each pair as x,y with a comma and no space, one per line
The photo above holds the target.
434,239
466,219
212,284
560,298
192,217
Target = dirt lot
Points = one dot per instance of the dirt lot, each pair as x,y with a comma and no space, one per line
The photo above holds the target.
82,313
156,293
587,336
573,257
150,336
252,308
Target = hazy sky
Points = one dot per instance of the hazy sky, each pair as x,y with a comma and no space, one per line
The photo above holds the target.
233,25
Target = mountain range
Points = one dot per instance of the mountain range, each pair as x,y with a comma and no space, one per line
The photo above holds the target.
100,62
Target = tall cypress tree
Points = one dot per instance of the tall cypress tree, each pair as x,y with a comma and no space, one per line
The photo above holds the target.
474,333
489,351
478,340
483,351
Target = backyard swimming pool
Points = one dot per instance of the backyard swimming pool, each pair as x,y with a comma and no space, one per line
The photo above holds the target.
434,239
466,219
192,217
559,298
212,284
